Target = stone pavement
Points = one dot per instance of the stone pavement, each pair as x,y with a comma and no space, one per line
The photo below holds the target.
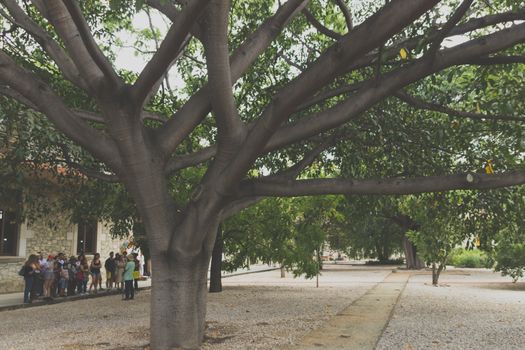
359,326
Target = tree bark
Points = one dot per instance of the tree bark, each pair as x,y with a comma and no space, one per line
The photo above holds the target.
436,271
412,260
216,263
178,302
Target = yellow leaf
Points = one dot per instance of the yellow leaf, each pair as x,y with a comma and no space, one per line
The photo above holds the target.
488,167
403,53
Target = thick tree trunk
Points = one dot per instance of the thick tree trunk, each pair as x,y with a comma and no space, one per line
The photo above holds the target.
178,303
283,271
216,264
412,260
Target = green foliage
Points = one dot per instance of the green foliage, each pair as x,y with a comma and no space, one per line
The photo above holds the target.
469,258
290,232
510,259
441,225
366,230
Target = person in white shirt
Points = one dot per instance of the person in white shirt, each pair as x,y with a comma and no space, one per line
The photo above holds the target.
39,282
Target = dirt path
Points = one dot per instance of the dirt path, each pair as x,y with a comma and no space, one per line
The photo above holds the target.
360,325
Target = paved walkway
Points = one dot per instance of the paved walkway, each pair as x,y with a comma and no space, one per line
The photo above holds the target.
360,325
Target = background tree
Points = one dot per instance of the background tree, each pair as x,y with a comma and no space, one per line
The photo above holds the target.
441,228
268,89
366,230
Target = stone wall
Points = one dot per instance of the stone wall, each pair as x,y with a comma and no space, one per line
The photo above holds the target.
50,236
10,281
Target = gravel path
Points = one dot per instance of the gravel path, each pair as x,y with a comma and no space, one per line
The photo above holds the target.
471,309
267,315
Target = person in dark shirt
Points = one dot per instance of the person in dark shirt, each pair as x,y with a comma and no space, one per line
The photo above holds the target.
30,271
110,265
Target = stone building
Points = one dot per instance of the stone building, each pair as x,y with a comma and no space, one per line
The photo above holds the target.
49,236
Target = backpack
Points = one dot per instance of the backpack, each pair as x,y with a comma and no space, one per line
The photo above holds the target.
22,271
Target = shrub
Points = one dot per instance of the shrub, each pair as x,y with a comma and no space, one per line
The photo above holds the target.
510,258
469,258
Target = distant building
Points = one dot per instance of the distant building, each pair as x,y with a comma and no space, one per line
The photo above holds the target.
49,236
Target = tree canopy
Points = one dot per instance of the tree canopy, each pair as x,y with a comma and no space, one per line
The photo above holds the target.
272,99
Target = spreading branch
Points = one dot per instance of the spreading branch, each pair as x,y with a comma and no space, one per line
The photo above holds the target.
319,26
48,44
169,50
198,106
288,174
447,27
95,174
390,19
410,44
346,13
91,46
170,11
57,13
369,92
393,186
422,104
229,126
46,101
494,60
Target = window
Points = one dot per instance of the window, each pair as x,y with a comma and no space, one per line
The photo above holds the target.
8,233
87,237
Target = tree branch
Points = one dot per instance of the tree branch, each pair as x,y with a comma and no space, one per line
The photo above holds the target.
91,46
48,44
197,107
484,61
319,26
56,12
390,19
307,160
181,162
371,93
447,27
412,43
346,13
88,172
173,14
392,186
169,50
47,102
421,104
230,130
289,174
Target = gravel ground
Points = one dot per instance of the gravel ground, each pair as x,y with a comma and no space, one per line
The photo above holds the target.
259,311
471,309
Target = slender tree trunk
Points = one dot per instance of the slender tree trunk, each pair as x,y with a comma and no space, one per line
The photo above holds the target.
436,271
178,302
216,263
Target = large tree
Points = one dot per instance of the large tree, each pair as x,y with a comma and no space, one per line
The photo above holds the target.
269,89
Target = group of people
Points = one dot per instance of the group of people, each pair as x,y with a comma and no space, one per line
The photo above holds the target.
59,276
